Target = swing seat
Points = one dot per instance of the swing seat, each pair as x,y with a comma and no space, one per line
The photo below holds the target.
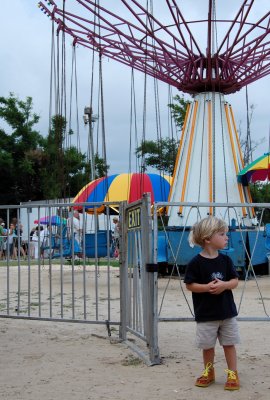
66,250
102,248
55,244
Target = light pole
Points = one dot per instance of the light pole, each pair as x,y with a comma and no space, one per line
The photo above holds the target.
89,119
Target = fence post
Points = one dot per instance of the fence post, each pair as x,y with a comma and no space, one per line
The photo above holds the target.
123,271
151,277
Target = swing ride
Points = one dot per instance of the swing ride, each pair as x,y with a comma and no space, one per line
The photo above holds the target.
208,57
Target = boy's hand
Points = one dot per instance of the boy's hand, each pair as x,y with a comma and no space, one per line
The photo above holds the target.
217,286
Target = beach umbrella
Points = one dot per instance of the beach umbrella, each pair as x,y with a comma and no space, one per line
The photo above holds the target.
54,220
258,170
121,187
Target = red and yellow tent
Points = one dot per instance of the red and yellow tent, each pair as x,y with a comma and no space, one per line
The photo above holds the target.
121,187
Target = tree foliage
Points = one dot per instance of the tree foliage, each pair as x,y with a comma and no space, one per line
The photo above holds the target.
62,164
260,193
178,109
18,167
35,167
160,155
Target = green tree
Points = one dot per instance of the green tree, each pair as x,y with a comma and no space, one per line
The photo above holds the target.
260,193
160,154
17,164
66,170
33,167
178,110
101,168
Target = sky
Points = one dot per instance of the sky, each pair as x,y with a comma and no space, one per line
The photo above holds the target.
25,71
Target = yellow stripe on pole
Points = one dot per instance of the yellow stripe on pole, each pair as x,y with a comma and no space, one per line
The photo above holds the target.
240,187
179,151
237,137
189,155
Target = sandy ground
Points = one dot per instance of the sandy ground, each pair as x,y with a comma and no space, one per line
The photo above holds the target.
61,361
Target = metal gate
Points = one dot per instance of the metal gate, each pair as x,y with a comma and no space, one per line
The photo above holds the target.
139,280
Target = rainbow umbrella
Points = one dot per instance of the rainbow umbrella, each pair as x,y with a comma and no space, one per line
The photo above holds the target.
258,170
121,187
53,220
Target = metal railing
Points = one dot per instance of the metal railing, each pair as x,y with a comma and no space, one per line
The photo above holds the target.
64,279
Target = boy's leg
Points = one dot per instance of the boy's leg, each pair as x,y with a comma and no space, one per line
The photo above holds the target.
230,355
208,375
208,356
231,359
206,336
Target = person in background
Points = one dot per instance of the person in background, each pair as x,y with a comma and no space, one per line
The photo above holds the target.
211,276
10,241
2,238
75,227
18,231
74,224
45,241
116,236
35,241
32,242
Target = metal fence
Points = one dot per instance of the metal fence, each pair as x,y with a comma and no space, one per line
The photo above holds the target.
58,276
248,247
62,277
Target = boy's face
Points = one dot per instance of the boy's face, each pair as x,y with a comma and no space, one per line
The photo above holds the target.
219,240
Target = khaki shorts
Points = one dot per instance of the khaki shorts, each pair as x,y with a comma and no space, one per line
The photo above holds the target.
226,331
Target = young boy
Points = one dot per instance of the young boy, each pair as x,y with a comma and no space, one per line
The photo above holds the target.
211,276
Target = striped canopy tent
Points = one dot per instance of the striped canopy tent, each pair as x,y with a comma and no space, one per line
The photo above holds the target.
123,187
258,170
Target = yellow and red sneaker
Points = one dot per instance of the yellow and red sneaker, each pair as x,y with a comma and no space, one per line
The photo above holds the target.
232,380
208,376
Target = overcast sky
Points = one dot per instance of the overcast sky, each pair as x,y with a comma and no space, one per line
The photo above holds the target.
25,71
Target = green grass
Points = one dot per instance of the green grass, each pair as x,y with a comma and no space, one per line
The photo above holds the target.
101,262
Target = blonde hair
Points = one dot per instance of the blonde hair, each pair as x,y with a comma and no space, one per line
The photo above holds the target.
205,229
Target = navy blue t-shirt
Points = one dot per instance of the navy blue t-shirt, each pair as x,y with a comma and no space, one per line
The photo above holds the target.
212,307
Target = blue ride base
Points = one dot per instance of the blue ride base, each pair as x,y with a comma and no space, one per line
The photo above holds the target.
174,248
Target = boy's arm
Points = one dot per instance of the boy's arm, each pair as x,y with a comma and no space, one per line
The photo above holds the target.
231,284
198,287
215,287
219,286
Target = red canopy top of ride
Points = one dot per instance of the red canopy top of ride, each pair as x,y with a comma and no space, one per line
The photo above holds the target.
223,56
